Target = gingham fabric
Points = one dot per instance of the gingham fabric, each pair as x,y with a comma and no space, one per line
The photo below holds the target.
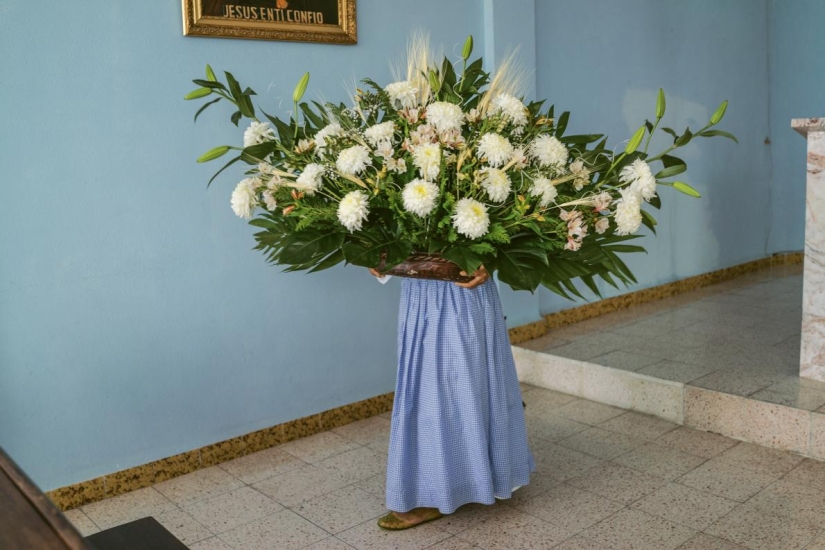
458,433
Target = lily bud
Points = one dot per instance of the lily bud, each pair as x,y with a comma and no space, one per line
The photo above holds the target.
468,48
660,104
212,154
196,94
210,74
636,140
720,112
288,209
300,88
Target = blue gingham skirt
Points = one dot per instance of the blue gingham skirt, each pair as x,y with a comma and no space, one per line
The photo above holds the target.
458,433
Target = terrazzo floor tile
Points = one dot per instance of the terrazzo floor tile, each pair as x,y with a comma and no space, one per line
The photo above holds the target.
301,484
375,485
696,442
261,465
761,459
676,371
284,530
635,530
733,382
618,483
355,465
808,472
571,509
514,530
660,461
552,427
594,345
818,543
81,522
639,425
127,507
686,506
331,543
540,400
726,480
561,463
589,412
544,343
601,443
213,543
318,447
704,541
469,515
539,484
368,536
624,360
232,509
342,509
801,398
183,526
453,543
198,485
789,499
581,543
759,530
375,430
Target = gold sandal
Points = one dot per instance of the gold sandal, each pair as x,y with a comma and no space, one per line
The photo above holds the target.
391,522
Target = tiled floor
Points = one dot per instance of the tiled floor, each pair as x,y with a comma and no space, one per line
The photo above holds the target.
607,479
740,337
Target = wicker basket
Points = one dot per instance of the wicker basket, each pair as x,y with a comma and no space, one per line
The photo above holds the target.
427,266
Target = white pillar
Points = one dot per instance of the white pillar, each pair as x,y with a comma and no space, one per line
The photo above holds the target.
812,357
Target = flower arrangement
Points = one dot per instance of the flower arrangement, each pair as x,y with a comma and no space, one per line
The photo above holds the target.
448,163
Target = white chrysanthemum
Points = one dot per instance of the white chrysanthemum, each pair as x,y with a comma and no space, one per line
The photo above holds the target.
445,116
427,158
419,197
380,134
640,177
311,179
471,218
628,212
353,210
269,200
328,131
258,132
403,93
496,149
511,108
353,160
549,151
496,183
544,188
244,200
602,225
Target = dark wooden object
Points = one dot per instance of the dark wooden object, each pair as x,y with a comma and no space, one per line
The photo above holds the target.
143,534
28,519
427,266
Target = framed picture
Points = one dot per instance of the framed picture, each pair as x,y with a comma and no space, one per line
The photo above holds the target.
330,21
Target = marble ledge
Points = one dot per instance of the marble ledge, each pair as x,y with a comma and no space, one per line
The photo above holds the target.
806,125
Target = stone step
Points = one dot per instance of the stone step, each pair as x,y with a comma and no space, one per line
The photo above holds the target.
768,424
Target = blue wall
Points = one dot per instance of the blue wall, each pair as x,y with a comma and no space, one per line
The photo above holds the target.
607,68
135,321
797,70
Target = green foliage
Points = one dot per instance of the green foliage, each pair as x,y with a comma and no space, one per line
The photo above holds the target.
529,241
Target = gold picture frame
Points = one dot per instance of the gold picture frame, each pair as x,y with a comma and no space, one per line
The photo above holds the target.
330,21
